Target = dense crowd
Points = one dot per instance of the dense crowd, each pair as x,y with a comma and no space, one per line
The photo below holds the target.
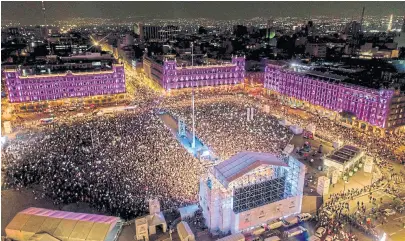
383,148
336,216
114,163
224,127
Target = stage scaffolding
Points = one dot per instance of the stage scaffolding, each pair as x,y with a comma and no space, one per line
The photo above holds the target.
284,184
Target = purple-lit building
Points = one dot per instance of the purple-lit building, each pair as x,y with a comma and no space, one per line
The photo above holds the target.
172,75
331,92
24,88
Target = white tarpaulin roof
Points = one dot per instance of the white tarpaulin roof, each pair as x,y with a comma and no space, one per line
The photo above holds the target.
156,219
288,149
43,237
184,231
242,163
188,211
284,122
61,225
296,129
233,237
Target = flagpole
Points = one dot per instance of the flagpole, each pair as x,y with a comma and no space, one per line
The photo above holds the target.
192,82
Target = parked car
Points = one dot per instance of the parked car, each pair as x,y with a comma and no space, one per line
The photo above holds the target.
304,217
329,214
314,238
290,221
389,212
274,224
295,231
272,238
258,231
320,232
328,238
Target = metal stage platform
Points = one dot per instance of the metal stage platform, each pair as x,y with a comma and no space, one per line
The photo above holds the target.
201,151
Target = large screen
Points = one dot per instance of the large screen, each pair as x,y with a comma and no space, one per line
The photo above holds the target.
259,194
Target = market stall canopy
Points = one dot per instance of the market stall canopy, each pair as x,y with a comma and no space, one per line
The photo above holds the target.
185,232
38,224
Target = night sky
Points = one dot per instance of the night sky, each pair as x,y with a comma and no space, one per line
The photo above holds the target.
30,12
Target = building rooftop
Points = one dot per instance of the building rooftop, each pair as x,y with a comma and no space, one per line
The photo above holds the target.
242,163
353,75
62,225
185,62
38,72
329,76
344,154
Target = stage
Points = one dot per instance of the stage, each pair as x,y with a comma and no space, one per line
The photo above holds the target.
200,151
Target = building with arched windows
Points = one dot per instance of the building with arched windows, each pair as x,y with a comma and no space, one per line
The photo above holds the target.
380,107
171,74
70,84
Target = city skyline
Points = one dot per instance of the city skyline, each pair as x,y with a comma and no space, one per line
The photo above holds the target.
31,12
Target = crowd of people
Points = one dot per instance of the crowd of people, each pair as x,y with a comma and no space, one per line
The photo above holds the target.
336,212
224,127
113,163
116,163
383,148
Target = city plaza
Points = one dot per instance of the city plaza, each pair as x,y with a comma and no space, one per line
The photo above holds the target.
235,128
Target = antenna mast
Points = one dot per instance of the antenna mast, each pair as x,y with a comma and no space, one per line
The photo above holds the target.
43,12
192,66
361,20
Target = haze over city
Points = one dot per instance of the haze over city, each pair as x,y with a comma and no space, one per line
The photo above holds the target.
31,12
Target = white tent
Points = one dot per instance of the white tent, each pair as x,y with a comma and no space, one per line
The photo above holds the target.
43,237
184,231
284,122
233,237
33,223
188,211
141,229
296,129
288,149
156,220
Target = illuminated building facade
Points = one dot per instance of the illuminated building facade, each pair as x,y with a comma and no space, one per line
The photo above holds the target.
250,189
67,85
330,92
172,76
